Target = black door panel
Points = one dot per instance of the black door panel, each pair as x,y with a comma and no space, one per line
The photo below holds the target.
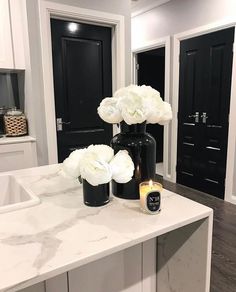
204,98
152,72
82,78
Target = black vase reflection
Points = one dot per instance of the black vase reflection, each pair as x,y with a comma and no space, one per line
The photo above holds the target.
142,149
95,196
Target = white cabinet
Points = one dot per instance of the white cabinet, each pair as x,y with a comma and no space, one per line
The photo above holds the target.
17,12
17,153
129,270
55,284
120,272
11,35
6,48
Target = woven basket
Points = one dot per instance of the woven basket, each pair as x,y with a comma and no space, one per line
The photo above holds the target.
15,125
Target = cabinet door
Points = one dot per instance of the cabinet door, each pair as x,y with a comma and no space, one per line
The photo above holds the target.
6,52
17,156
40,287
57,284
18,15
121,271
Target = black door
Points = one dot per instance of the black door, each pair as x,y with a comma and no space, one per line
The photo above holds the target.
204,98
151,71
82,78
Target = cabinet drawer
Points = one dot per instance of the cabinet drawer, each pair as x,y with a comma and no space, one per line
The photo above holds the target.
17,156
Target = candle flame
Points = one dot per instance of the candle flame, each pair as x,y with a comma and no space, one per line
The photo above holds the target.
150,183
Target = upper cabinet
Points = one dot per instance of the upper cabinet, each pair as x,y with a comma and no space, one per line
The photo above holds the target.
6,48
11,35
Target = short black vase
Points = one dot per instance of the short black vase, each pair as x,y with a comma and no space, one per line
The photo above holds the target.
142,149
95,196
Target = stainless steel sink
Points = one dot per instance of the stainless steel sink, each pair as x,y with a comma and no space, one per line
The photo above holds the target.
14,196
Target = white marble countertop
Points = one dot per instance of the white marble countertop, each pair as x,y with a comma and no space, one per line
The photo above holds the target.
61,233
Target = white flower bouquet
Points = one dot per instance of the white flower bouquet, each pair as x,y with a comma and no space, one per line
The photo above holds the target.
134,105
98,165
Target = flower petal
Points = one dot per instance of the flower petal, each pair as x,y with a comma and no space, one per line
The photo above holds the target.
108,111
94,170
122,167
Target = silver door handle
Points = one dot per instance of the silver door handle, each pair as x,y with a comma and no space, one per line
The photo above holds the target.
196,117
204,118
60,123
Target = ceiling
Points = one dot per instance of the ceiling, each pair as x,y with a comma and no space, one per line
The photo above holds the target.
141,6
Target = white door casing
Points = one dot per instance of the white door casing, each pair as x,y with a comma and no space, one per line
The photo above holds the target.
49,10
159,43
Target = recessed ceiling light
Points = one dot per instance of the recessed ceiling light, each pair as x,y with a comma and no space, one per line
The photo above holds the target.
73,27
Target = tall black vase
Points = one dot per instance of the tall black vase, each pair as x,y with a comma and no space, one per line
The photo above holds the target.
95,196
142,149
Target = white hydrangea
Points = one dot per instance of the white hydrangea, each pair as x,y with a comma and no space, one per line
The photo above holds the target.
109,112
104,152
135,104
98,165
94,170
166,114
122,167
71,165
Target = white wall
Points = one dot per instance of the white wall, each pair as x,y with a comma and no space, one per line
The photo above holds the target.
121,7
175,17
178,16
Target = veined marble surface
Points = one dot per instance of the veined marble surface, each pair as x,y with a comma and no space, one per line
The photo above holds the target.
61,233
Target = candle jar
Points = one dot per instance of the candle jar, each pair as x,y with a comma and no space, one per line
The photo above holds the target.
150,196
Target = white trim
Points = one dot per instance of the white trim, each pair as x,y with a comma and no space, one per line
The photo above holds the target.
162,42
49,9
231,153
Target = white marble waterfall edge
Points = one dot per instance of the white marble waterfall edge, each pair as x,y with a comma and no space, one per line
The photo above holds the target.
61,233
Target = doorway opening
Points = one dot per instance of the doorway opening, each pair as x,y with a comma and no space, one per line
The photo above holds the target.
151,71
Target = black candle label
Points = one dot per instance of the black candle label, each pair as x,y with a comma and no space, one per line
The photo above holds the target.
154,201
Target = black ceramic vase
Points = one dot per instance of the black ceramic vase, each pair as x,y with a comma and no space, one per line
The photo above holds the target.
142,149
95,196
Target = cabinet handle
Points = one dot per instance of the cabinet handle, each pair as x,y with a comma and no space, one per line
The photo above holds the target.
196,117
204,118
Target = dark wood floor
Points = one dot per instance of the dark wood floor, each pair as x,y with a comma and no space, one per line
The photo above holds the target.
223,273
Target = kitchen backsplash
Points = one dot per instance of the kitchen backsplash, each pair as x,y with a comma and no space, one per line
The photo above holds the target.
10,93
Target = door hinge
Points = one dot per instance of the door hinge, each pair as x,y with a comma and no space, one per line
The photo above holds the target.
137,66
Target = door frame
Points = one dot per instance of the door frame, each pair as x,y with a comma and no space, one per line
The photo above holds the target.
48,10
230,186
155,44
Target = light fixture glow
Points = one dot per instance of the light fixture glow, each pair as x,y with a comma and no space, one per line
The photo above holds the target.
73,27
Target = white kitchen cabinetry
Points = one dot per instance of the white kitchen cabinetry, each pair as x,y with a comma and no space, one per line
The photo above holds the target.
121,272
17,153
11,35
55,284
6,48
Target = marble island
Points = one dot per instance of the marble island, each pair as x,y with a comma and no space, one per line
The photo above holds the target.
61,245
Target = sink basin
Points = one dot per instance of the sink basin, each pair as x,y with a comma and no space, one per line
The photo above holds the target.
14,196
